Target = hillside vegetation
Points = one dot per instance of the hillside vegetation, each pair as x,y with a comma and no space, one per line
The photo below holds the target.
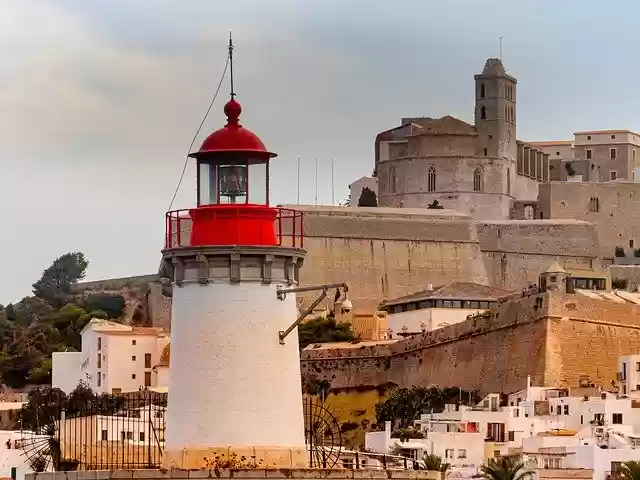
49,321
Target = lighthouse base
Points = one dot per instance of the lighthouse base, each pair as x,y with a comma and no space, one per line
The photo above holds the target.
236,457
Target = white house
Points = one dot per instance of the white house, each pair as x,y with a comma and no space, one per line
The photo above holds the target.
115,358
437,307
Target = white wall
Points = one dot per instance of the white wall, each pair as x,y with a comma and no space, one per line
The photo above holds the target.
66,370
457,449
12,457
228,369
432,318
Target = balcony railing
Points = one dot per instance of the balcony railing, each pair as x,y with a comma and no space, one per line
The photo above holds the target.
288,225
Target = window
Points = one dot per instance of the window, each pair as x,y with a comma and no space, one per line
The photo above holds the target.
147,360
594,204
637,388
506,113
485,152
512,436
557,154
99,361
482,90
141,436
508,181
613,137
558,409
431,179
104,436
633,154
581,420
637,366
566,409
99,343
133,342
613,153
631,242
133,376
483,112
588,153
99,379
448,453
129,435
147,379
553,279
617,418
588,137
133,358
462,453
516,412
477,180
613,174
393,179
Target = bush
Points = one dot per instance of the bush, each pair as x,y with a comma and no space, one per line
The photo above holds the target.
620,252
112,305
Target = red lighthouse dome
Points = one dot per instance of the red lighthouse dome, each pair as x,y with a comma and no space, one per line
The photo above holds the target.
233,137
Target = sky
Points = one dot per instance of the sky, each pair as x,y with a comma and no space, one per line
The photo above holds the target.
100,99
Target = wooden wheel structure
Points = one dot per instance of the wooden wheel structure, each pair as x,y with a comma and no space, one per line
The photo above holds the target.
322,434
38,439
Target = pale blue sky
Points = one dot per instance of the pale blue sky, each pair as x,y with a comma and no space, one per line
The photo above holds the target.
99,99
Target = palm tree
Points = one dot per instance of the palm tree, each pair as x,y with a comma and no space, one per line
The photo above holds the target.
630,470
433,462
504,468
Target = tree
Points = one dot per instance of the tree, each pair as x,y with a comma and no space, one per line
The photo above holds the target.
55,284
112,305
435,205
504,468
629,470
433,462
323,330
368,198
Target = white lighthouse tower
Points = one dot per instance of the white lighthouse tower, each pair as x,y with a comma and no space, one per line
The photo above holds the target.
235,384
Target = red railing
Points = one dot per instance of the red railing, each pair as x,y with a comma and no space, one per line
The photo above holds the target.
288,225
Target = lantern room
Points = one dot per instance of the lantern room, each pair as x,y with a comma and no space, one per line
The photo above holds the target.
233,164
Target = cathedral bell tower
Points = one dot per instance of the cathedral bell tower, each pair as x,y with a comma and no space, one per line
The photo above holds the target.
495,113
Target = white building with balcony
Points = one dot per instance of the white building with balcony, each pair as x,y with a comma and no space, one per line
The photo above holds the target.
115,358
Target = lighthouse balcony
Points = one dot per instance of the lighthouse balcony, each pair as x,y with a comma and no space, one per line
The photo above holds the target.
234,225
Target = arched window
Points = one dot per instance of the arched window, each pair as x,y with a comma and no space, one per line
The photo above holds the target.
528,212
482,91
509,181
506,113
483,112
393,179
477,180
431,179
594,204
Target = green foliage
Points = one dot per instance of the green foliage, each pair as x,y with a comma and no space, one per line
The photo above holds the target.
629,470
55,284
408,433
112,305
323,330
504,468
619,283
435,205
368,198
619,252
403,406
433,462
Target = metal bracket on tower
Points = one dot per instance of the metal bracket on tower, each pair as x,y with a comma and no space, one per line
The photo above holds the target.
282,294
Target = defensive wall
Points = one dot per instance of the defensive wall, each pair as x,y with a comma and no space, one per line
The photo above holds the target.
556,339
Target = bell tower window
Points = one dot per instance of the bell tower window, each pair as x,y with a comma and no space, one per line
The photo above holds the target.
431,179
482,90
483,112
477,180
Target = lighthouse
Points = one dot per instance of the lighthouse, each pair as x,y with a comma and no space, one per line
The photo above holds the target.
235,379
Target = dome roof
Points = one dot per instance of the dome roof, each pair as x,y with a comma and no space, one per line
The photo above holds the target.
233,137
165,356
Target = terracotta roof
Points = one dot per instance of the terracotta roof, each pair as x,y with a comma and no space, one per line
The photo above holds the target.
446,125
455,291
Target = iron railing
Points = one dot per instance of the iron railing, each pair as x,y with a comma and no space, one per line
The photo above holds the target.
289,227
104,432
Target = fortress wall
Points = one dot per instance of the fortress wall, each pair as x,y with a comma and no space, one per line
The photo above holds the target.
384,253
557,341
516,251
489,353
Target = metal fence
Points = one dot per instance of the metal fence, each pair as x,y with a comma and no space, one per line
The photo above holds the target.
94,433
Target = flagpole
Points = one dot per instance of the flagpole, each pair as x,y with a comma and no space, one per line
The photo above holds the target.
298,191
333,187
316,181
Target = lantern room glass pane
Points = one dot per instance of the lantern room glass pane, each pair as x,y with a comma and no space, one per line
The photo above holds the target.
207,187
258,183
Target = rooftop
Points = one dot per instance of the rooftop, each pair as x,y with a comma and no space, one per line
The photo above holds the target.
596,132
113,328
446,125
455,291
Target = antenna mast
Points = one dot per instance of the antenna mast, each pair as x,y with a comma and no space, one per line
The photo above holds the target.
231,66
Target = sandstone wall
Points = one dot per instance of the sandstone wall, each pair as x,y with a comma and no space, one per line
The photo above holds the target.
384,253
557,339
630,273
515,252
